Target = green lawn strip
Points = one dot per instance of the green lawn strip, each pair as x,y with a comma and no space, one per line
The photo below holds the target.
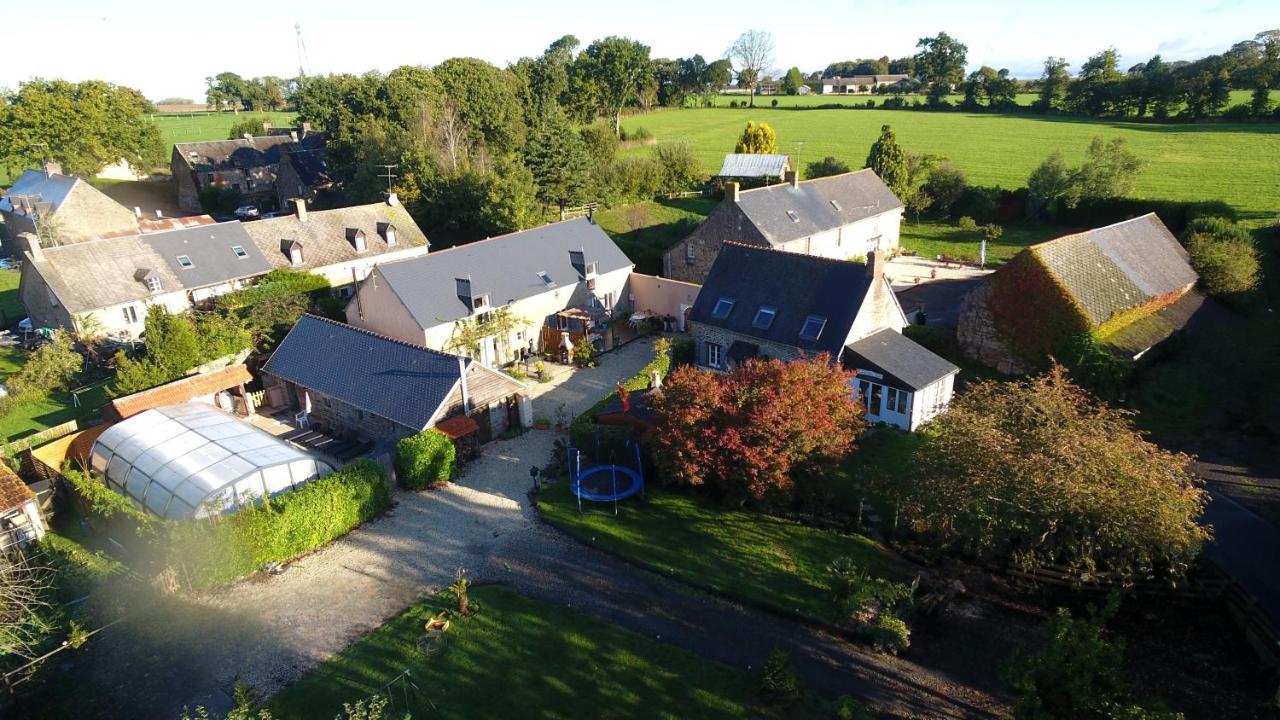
646,230
519,657
746,555
816,99
35,415
933,239
194,127
1200,161
11,310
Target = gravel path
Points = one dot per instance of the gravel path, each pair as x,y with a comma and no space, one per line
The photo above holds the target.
269,631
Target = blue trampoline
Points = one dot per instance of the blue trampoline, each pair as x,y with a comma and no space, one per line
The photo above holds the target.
604,483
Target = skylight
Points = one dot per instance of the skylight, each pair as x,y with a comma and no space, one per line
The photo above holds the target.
185,262
835,205
794,217
239,251
812,328
723,307
545,278
764,317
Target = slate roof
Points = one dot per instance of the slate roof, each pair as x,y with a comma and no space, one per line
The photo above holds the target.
796,285
52,189
395,380
783,213
101,273
240,154
1146,332
1118,267
309,164
323,235
900,359
750,165
505,268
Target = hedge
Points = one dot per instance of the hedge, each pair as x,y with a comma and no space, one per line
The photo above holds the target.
427,459
1175,214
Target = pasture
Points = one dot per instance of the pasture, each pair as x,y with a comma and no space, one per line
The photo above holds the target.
1234,162
815,99
191,127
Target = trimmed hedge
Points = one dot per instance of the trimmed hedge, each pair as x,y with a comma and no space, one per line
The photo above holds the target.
427,459
1176,214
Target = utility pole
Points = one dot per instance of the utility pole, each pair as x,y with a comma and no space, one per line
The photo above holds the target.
303,59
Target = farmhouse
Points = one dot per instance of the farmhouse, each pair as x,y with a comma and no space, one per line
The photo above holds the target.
114,280
565,277
251,166
759,302
859,84
341,244
1129,284
842,216
354,381
60,209
755,167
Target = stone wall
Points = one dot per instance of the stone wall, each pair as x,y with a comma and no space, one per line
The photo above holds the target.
977,335
726,222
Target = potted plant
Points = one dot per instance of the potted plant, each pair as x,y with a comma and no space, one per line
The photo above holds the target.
541,423
539,368
561,418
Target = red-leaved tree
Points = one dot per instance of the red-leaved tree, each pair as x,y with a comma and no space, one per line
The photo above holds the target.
749,432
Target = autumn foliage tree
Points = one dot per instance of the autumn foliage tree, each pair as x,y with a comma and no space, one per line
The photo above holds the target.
748,433
1038,472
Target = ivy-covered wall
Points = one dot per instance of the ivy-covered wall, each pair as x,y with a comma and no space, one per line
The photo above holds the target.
1032,310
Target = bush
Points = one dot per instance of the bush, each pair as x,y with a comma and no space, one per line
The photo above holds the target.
826,167
774,102
992,232
889,634
1093,367
1224,254
967,224
427,459
1238,113
639,133
778,678
847,708
602,144
980,203
680,167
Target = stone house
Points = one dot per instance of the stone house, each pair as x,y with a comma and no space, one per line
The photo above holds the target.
354,381
62,209
842,216
342,244
759,302
532,277
251,167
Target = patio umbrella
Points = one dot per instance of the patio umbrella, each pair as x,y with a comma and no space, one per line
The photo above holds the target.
306,402
566,342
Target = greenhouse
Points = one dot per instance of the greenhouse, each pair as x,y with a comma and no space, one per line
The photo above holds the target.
194,460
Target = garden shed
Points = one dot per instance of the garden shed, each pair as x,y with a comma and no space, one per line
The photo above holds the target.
193,460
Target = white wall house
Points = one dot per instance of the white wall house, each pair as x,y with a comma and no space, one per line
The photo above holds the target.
896,382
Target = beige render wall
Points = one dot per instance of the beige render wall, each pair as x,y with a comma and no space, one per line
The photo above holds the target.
660,296
880,309
376,308
353,271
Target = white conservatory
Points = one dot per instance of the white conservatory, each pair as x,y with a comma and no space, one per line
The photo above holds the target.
193,460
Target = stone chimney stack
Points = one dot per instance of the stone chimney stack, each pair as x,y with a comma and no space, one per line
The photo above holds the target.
52,168
875,264
31,243
734,191
793,177
393,200
300,208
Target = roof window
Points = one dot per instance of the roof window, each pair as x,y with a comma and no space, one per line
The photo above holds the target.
764,317
239,251
185,262
723,307
812,328
794,217
545,278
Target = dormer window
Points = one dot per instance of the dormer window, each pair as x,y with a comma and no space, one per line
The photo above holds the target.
388,232
723,307
764,317
292,250
185,262
355,236
153,283
591,269
239,251
480,302
812,328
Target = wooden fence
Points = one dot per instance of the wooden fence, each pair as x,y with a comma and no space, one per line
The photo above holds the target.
30,441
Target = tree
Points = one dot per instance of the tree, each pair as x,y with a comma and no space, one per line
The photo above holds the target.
1097,89
750,433
510,199
82,126
792,81
827,166
719,74
557,157
1053,85
1049,184
1037,472
1224,255
680,167
1109,170
617,67
888,160
486,101
945,185
752,54
251,126
940,61
53,366
757,140
549,79
24,601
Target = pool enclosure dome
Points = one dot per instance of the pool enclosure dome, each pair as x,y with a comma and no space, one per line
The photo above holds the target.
193,460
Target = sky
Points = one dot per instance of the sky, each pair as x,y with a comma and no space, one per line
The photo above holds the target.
166,48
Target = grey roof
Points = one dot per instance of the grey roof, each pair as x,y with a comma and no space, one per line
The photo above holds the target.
785,212
323,235
395,380
899,358
210,249
796,285
1118,267
240,153
751,165
505,268
41,188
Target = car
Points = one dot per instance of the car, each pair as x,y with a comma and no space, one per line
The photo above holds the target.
247,211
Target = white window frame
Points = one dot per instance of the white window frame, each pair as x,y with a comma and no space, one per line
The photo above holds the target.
239,251
153,284
771,314
715,355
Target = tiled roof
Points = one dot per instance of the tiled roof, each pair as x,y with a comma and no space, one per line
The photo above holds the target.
899,358
795,285
1118,267
395,380
178,391
751,165
14,493
505,268
323,236
1147,332
240,154
785,212
164,224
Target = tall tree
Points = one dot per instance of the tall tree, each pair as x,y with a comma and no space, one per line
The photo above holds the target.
941,60
549,78
757,140
719,74
752,54
888,160
1053,84
1095,91
617,67
486,98
792,81
557,157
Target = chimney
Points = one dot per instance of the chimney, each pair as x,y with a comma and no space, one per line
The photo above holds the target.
266,127
32,245
393,200
578,258
159,213
52,168
248,137
300,207
304,129
293,136
793,177
462,383
875,264
137,211
734,191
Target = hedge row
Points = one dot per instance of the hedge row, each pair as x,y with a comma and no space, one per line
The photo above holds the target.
427,459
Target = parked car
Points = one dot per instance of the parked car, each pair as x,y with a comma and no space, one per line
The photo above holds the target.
244,212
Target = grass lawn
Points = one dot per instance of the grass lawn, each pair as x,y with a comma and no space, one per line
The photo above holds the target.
645,230
520,657
1233,162
933,239
740,553
191,127
11,310
33,416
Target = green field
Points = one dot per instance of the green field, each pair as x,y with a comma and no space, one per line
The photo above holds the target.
1231,162
932,239
645,230
518,657
816,99
191,127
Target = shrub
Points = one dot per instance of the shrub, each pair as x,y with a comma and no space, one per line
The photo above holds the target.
847,708
774,102
992,232
51,367
1224,254
757,139
584,355
980,203
427,459
640,133
778,678
967,224
1093,367
601,144
827,166
1239,112
680,167
889,634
